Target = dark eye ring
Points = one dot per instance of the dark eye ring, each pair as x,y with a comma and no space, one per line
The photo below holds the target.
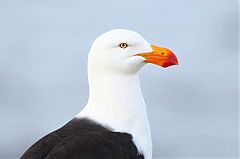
123,45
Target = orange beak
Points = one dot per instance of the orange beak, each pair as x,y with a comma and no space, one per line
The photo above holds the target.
160,56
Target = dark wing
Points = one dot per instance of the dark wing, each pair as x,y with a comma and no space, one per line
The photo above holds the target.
104,145
84,139
42,147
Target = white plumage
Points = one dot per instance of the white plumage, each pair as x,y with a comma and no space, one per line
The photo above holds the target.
115,98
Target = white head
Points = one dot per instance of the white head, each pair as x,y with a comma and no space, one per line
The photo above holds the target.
115,52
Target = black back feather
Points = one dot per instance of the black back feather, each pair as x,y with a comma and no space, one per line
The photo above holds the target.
83,139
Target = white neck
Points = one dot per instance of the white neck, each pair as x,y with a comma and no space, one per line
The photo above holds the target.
116,101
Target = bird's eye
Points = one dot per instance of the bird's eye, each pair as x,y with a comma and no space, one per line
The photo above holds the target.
123,45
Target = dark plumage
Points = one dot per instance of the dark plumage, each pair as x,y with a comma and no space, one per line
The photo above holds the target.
83,139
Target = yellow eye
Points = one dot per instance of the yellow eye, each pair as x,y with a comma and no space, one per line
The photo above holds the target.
123,45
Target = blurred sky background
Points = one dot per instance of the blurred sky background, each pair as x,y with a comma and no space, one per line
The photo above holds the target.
193,108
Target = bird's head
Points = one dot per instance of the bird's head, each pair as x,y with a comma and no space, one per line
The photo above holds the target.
124,51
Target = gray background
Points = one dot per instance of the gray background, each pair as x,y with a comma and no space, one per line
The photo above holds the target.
43,80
